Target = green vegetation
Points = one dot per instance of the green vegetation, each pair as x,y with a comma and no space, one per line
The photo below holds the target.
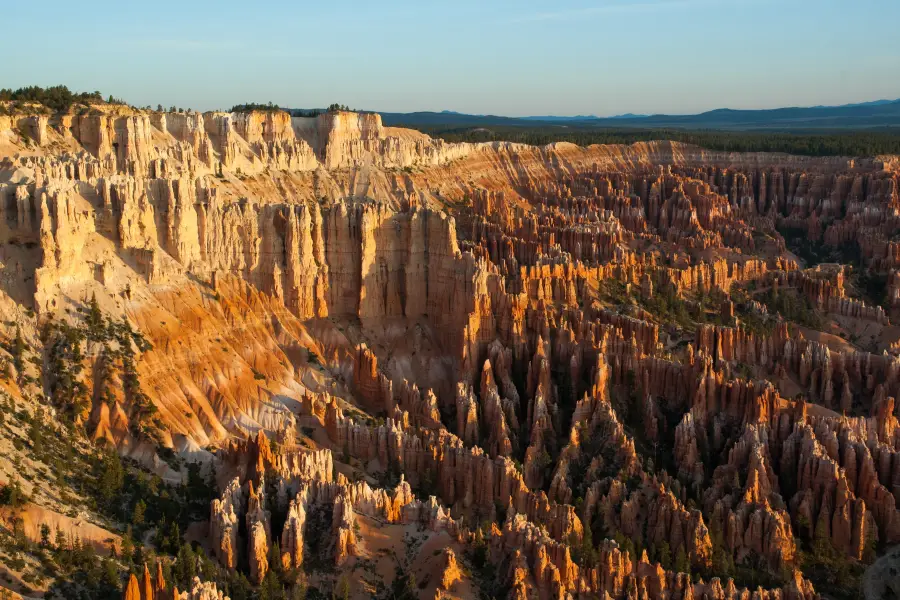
815,252
585,554
278,584
804,143
117,355
18,349
670,307
830,569
315,112
751,320
118,491
99,480
64,365
596,446
251,106
403,587
722,560
296,112
11,495
77,570
57,98
793,307
873,287
484,571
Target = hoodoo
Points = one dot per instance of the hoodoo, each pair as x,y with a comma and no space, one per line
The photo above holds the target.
295,353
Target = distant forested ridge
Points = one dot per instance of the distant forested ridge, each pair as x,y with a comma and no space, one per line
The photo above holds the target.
852,117
862,143
866,129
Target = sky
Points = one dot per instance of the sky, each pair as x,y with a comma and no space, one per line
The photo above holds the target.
506,57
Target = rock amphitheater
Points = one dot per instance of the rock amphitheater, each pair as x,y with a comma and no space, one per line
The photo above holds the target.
493,370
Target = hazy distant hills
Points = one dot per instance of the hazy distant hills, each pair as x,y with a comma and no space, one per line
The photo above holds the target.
868,115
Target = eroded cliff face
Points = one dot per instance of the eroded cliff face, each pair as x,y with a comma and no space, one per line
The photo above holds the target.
344,140
599,369
160,247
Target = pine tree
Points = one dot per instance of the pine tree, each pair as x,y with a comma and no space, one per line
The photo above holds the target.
298,592
665,555
275,558
682,565
127,545
12,494
588,557
173,541
94,317
271,588
18,353
112,476
185,567
722,562
239,587
138,515
110,575
60,541
342,590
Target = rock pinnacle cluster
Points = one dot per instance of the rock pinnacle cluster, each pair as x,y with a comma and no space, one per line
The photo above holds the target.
412,368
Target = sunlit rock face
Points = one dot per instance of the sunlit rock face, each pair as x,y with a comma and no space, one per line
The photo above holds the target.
609,371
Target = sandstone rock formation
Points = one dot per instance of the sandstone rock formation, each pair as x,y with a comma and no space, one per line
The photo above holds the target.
600,369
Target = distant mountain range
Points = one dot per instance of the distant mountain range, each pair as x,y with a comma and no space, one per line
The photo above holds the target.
866,115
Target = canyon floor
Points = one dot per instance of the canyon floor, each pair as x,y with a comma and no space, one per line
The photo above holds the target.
251,355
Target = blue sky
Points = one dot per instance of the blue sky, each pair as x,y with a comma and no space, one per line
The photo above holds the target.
511,57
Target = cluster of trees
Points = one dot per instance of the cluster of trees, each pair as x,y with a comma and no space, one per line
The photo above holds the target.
751,573
872,284
299,112
484,570
793,307
294,112
172,109
121,492
57,98
12,495
270,106
127,494
65,363
857,143
828,567
251,106
669,307
814,252
17,349
117,355
78,572
315,112
278,584
124,492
